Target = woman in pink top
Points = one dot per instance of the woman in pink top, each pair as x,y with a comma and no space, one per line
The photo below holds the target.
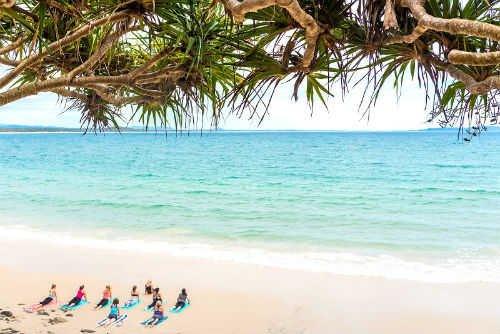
79,295
106,297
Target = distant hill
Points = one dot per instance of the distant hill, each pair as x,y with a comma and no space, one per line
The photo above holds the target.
17,126
140,128
40,128
493,128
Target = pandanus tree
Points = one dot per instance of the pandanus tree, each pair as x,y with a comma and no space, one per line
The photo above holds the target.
175,61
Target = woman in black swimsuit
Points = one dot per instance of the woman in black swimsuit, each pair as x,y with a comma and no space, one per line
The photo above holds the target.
134,297
148,288
156,297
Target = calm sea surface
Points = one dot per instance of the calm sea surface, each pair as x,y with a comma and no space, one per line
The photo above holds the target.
417,205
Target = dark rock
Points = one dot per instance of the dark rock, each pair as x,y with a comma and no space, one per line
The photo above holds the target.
57,320
52,310
87,331
21,304
69,315
42,313
8,331
6,313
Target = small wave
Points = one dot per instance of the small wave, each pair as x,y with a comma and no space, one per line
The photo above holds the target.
454,166
388,266
143,175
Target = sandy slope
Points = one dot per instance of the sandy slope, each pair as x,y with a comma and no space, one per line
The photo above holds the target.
235,298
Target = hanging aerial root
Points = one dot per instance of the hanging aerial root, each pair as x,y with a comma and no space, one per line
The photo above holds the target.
306,21
458,57
390,20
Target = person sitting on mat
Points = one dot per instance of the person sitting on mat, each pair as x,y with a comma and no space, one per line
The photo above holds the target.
106,297
157,315
156,298
148,287
78,298
52,296
134,297
114,314
181,300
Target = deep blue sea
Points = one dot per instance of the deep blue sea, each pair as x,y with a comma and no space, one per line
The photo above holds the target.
415,205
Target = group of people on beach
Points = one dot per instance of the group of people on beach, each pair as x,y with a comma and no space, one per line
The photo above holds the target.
107,298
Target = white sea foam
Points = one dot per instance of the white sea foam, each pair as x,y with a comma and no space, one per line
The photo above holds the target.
388,266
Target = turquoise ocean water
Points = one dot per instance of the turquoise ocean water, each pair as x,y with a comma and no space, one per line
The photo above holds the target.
416,205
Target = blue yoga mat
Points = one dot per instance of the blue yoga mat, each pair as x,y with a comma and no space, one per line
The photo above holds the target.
81,303
129,307
159,321
109,302
152,308
120,319
179,310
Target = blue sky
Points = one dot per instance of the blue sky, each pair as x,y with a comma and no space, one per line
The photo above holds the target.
407,113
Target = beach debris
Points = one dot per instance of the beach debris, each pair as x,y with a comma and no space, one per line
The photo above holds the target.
52,310
28,311
50,332
57,320
87,331
8,331
21,304
6,313
69,315
42,313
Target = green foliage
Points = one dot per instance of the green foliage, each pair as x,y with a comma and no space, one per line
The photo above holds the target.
240,66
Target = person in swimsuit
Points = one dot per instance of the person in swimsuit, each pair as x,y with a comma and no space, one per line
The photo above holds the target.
106,297
158,314
148,287
181,300
156,298
78,298
134,297
52,296
114,314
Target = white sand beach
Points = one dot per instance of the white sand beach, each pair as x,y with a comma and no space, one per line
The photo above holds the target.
235,298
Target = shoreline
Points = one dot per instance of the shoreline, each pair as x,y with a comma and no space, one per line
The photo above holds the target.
343,262
239,298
